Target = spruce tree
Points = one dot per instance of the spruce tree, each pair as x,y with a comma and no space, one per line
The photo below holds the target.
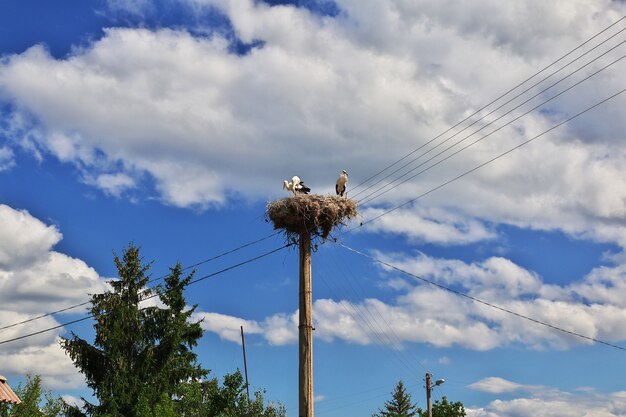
140,354
400,404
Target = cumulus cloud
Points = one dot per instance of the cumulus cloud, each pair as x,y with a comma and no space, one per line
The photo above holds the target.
552,403
424,313
24,239
350,91
496,385
36,279
433,225
49,361
278,329
227,327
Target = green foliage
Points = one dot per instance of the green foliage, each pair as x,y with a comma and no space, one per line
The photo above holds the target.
140,355
444,408
209,399
33,405
400,404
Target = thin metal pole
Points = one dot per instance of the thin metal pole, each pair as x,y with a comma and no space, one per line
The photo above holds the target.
245,364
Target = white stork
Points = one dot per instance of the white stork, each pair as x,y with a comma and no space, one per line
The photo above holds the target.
301,188
288,186
340,186
296,186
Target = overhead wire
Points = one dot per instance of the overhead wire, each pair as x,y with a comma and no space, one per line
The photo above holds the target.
61,310
155,294
378,335
366,199
478,300
456,178
378,193
493,102
374,313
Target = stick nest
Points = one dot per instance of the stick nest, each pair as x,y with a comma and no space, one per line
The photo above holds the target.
313,213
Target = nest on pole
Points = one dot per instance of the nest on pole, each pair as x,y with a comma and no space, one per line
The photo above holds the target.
312,213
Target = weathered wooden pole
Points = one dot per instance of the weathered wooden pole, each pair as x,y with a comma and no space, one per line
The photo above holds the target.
303,216
305,326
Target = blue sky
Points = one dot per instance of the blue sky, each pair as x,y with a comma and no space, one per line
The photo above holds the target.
171,124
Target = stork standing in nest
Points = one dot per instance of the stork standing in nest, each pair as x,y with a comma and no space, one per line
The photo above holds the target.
296,186
340,186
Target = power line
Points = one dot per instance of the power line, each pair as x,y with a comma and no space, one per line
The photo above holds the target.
157,293
378,335
367,200
462,294
488,161
374,312
8,326
501,116
494,101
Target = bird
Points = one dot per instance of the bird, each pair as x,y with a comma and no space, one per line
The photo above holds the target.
296,186
301,188
340,186
288,186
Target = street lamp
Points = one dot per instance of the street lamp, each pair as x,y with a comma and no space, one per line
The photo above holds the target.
428,389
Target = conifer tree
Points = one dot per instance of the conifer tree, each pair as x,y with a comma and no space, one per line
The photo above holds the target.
140,354
400,404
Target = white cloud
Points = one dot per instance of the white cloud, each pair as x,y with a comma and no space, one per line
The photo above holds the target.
112,184
555,403
227,327
432,225
496,385
35,279
33,275
6,158
278,329
421,313
186,111
23,238
49,361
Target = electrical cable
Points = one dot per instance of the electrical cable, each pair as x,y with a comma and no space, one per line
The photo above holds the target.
378,336
488,161
152,280
495,100
157,293
462,294
361,201
391,335
367,200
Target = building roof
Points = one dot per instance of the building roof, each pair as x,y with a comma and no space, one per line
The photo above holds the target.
6,393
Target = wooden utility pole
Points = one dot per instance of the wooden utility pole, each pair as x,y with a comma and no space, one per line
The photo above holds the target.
428,404
300,217
305,376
